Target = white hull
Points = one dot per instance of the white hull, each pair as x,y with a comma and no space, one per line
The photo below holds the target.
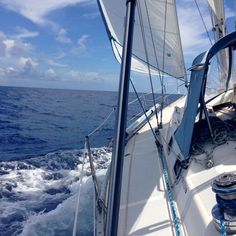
145,208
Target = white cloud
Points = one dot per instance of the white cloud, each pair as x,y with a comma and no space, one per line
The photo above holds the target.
193,34
37,10
81,45
10,70
51,62
74,74
50,73
93,76
2,49
25,33
88,76
91,15
229,13
12,49
62,36
82,40
19,63
9,43
28,67
15,58
2,44
60,55
27,60
16,48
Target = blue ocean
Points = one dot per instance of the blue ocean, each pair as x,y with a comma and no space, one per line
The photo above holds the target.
42,134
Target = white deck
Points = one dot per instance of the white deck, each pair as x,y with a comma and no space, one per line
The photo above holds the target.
144,208
199,199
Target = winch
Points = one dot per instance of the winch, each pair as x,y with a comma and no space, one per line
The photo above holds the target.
224,212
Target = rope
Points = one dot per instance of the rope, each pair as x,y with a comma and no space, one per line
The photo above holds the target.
222,221
78,199
146,55
103,123
170,194
223,131
222,227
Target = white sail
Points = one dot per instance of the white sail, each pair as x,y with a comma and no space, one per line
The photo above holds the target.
160,27
219,29
217,17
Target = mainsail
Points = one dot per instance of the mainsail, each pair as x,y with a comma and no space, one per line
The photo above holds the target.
156,40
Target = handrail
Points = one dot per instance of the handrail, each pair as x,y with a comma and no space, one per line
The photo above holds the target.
103,123
100,201
114,109
140,122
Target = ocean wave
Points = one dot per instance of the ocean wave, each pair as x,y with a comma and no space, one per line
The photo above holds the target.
39,194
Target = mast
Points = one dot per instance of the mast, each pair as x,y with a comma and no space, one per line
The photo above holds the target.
121,120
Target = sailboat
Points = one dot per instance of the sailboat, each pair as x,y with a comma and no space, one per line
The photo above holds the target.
173,172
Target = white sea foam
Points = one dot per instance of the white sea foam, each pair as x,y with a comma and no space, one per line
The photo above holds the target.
39,195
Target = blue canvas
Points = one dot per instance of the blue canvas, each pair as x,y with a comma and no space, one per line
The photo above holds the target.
183,134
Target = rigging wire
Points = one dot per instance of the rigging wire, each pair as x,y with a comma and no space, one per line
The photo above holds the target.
144,112
160,76
214,27
141,96
146,55
204,24
153,44
182,54
165,172
109,115
220,66
163,64
147,119
104,121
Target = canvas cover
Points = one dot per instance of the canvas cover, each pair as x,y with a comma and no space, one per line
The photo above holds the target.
183,134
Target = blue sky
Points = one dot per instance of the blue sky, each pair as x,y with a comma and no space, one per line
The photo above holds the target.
63,43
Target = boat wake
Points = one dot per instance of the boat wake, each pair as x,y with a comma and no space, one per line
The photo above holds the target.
38,195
